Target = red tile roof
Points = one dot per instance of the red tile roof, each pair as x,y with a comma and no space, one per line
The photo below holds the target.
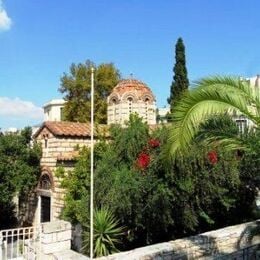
66,129
78,130
132,85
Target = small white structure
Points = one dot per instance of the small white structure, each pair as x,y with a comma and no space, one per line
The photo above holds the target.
162,114
53,110
11,130
242,121
254,81
131,96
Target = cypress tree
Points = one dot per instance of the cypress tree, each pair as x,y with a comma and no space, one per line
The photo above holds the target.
180,81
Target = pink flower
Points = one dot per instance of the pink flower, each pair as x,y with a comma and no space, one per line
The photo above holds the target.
154,143
143,160
212,157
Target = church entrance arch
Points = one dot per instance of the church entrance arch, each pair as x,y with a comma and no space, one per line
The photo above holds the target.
44,191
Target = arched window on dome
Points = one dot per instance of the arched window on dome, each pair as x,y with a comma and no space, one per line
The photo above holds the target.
130,105
114,101
147,100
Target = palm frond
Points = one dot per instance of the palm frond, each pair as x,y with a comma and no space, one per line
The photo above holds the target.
220,130
212,96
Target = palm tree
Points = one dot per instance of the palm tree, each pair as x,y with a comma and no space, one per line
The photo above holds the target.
211,96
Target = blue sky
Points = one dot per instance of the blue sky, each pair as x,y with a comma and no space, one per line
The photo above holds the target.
40,39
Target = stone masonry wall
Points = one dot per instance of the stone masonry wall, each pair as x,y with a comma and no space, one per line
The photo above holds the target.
56,242
57,148
228,242
233,242
119,113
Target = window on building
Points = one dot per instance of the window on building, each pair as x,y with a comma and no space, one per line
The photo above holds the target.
146,109
62,113
114,101
130,105
44,190
242,124
45,182
45,136
48,114
114,109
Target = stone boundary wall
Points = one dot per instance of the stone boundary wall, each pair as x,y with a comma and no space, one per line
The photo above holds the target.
56,242
55,237
231,242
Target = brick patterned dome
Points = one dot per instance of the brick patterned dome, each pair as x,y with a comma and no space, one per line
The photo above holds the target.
131,88
131,96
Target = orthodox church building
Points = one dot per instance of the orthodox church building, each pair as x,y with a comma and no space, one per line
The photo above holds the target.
58,140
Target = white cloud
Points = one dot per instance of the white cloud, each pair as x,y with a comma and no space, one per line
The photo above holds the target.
5,20
17,108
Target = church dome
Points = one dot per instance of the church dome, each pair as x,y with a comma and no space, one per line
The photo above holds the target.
131,96
133,89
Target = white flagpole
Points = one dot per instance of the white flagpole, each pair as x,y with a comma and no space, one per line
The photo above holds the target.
92,164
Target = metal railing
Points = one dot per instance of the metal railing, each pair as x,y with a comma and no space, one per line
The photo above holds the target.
20,243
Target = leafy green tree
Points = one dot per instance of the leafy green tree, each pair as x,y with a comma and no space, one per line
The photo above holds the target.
135,193
199,117
19,171
217,177
156,203
212,96
204,191
250,178
195,193
77,185
107,231
76,85
122,186
180,81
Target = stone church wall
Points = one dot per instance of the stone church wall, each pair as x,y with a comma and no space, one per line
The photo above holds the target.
56,152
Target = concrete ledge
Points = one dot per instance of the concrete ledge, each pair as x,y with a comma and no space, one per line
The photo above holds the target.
55,237
68,255
221,242
55,247
55,226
